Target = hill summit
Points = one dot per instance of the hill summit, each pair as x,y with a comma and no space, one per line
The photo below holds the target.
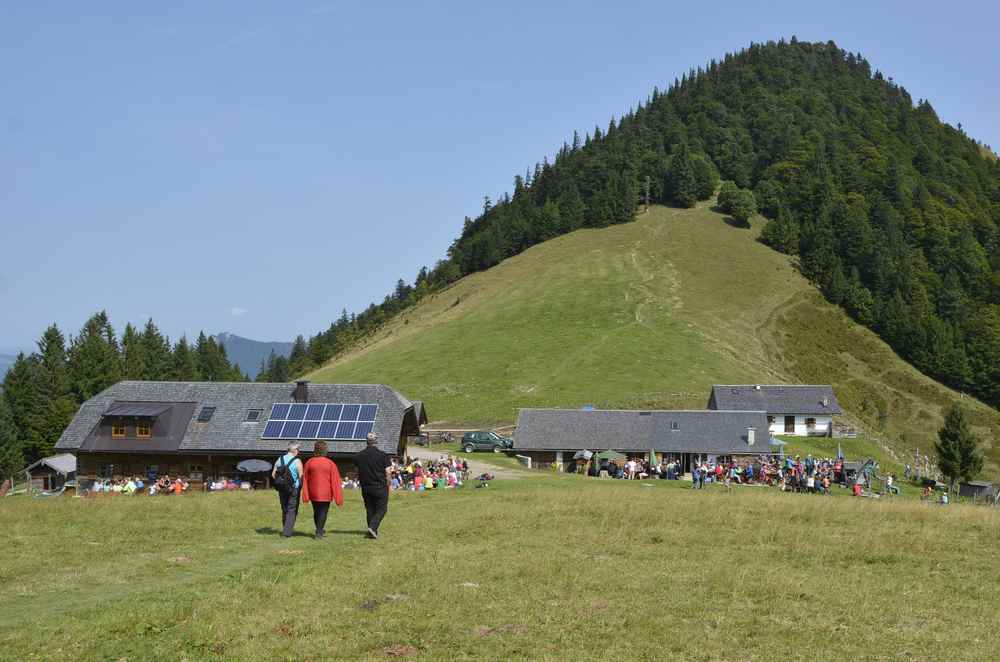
892,214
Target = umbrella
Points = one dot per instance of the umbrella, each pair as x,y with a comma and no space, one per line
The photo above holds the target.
583,455
253,466
652,458
610,455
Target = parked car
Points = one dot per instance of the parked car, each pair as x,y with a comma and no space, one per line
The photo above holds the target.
485,441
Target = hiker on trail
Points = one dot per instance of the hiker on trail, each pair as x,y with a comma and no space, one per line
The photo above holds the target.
373,472
287,477
321,484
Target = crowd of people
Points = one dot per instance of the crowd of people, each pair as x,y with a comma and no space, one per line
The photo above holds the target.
809,475
787,473
131,485
447,472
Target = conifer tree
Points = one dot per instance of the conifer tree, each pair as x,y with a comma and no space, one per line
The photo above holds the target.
94,359
959,456
133,354
11,456
52,350
25,392
743,207
299,356
156,352
184,362
681,186
59,403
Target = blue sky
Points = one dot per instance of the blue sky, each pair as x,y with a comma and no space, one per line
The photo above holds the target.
256,167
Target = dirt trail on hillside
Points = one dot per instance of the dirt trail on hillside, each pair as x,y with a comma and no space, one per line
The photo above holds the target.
476,467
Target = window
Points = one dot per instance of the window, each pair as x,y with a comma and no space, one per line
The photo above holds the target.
253,415
142,430
106,471
206,414
810,423
673,425
118,429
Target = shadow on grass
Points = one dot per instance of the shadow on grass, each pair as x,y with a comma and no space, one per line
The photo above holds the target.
729,220
271,531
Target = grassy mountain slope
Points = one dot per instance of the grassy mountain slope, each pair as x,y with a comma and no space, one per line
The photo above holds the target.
645,314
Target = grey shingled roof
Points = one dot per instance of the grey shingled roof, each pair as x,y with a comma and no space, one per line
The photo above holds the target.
227,431
776,398
697,431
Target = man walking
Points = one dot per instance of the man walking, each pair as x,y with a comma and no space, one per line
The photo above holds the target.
287,477
373,471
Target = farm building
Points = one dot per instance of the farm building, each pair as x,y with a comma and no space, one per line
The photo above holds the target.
976,489
202,430
800,410
553,436
51,473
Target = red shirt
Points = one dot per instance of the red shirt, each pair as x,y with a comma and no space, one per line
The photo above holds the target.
321,481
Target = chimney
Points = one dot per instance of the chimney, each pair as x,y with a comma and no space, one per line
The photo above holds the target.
751,436
302,391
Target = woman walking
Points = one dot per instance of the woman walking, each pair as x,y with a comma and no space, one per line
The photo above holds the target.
321,485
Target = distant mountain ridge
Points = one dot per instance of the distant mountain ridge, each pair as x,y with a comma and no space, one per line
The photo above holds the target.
249,353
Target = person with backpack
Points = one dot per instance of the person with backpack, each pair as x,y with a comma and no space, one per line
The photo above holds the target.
287,479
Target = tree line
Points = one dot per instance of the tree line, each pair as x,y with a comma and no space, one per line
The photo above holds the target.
893,214
43,390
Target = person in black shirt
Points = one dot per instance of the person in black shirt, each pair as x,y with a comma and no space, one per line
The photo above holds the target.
373,471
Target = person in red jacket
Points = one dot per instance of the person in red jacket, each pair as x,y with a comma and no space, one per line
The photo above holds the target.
321,485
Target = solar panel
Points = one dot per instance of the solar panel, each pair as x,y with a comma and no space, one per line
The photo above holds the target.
320,421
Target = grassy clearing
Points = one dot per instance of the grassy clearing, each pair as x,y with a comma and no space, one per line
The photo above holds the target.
535,568
645,315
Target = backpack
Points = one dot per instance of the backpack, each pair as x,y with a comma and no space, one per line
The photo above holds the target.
283,479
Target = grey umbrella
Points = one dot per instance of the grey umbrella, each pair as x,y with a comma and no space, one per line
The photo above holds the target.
253,466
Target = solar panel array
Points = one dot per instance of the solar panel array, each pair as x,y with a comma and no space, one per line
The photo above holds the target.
320,421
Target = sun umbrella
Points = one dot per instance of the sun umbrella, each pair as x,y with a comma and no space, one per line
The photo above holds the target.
610,455
253,466
652,458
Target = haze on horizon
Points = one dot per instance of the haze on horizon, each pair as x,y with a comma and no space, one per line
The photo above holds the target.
259,169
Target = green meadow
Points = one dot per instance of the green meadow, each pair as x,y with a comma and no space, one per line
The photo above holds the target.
543,567
647,315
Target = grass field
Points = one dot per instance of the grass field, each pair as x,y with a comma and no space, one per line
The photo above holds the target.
542,567
647,314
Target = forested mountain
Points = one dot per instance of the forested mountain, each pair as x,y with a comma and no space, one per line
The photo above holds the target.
43,390
893,214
